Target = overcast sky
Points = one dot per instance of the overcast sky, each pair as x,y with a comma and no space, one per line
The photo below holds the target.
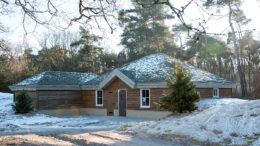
110,43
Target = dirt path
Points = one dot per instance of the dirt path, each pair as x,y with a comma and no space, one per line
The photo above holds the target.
112,137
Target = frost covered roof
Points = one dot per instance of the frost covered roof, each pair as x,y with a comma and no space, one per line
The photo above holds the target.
155,67
57,78
97,80
152,68
149,69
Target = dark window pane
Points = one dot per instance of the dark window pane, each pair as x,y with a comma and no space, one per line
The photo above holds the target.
215,93
147,101
99,93
99,100
147,93
99,97
143,100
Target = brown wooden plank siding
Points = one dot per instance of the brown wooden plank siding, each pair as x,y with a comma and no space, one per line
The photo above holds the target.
208,92
205,92
225,92
88,99
59,99
155,95
32,94
111,93
133,95
110,96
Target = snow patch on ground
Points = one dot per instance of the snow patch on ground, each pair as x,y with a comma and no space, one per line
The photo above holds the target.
257,142
13,123
226,121
208,103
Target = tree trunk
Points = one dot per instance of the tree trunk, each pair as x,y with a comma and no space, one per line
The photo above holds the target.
94,66
219,66
236,51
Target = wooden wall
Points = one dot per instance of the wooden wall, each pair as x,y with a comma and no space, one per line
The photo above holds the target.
133,96
86,98
225,92
208,92
58,99
110,96
205,92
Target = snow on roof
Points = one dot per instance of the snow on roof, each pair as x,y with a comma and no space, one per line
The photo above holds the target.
97,80
199,75
152,68
57,78
155,67
34,80
149,69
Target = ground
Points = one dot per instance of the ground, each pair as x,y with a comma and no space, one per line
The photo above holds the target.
11,123
224,121
40,129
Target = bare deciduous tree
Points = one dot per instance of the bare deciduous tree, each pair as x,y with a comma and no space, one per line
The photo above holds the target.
44,12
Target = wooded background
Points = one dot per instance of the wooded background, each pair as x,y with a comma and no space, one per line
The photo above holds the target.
145,32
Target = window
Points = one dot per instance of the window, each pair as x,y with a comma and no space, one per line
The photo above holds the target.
215,92
145,98
99,98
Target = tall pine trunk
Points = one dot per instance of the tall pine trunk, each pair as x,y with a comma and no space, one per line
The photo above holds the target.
242,84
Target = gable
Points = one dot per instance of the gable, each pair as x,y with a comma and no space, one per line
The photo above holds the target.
116,74
116,83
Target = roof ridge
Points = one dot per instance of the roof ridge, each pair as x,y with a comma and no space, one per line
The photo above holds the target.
70,72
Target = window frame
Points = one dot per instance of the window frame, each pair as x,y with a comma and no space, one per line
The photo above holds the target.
141,103
216,96
101,97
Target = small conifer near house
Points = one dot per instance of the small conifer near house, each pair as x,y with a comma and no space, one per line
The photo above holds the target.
23,103
183,95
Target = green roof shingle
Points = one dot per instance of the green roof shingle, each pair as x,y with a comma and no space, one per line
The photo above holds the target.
57,78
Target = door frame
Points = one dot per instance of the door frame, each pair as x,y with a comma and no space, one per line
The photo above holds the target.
118,99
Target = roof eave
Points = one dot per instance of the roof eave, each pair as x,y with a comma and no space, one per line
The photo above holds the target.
214,85
89,87
44,87
198,85
20,88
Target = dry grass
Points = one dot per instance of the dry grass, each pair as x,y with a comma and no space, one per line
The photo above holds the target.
234,134
217,131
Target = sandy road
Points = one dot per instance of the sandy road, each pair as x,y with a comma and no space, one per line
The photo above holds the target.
80,138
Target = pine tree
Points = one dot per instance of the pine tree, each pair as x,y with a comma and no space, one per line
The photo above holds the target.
145,31
183,95
23,103
89,54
